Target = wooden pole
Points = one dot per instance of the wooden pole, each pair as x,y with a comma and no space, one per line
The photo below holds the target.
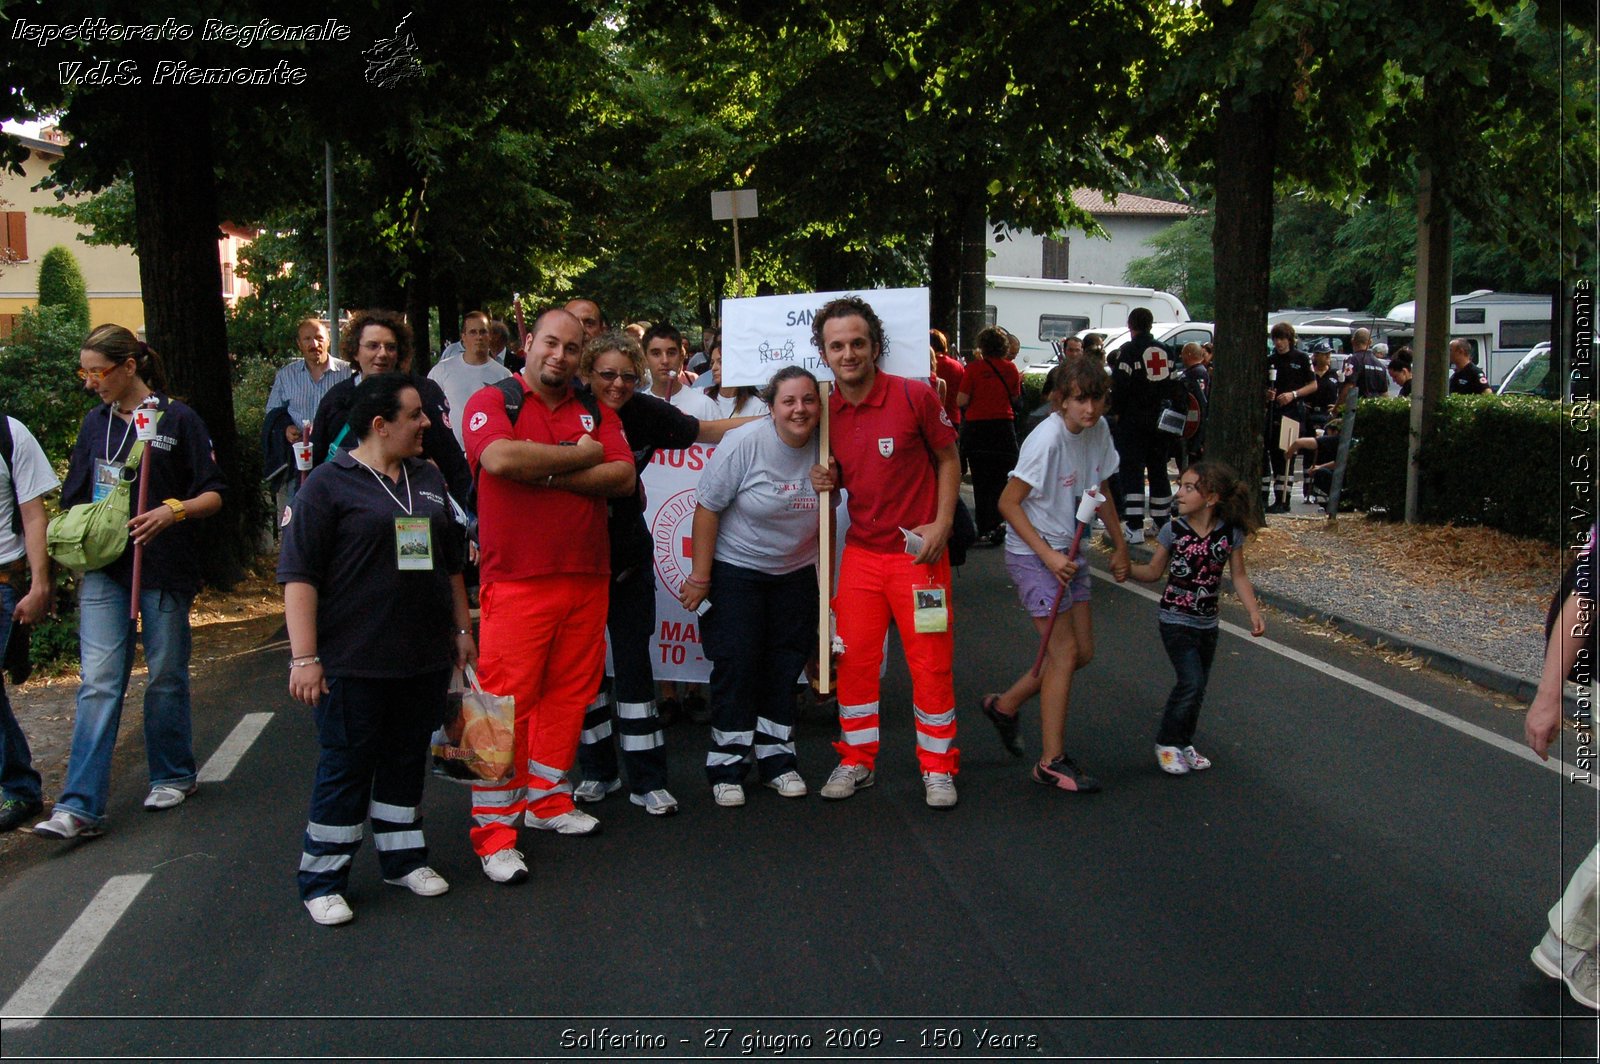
824,563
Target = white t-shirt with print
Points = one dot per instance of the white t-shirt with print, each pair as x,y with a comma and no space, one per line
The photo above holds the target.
1059,465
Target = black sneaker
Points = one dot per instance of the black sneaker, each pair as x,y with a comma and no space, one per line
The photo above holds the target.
1064,775
1008,727
14,812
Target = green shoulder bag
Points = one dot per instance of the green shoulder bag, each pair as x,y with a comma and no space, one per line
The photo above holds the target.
92,535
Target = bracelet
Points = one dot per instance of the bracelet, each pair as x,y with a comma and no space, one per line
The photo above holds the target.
176,506
298,663
696,583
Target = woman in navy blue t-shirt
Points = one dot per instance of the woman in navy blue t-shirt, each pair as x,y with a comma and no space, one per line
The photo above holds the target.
185,485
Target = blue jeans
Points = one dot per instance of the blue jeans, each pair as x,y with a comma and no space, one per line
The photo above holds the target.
17,776
105,640
1191,651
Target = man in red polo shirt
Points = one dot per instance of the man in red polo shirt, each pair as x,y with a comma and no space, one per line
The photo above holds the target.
894,451
543,482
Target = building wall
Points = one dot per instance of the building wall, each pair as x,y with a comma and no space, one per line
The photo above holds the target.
1020,253
111,273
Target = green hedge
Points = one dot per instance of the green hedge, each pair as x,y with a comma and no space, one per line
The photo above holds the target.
1487,460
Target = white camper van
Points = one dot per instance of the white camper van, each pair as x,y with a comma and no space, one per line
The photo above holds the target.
1500,326
1037,311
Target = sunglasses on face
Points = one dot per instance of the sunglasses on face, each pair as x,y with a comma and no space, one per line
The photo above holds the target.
95,376
611,375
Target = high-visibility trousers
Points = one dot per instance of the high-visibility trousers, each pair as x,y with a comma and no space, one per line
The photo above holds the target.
873,590
543,643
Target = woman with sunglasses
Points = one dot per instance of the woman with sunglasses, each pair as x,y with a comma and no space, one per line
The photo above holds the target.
377,342
613,367
185,486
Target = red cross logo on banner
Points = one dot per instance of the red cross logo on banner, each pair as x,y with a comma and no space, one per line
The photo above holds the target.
1156,365
144,424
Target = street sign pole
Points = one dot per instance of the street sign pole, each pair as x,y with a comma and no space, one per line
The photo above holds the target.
731,206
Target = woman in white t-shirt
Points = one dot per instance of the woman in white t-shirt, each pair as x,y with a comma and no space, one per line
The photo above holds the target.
755,551
731,402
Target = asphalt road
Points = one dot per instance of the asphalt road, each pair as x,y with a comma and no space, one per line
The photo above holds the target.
1353,878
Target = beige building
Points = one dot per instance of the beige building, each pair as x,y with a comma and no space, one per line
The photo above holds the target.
110,273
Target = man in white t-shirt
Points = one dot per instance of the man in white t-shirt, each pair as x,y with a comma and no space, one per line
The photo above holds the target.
25,478
460,377
663,356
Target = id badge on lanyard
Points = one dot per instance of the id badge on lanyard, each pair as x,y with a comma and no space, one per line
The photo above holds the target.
930,609
106,476
413,543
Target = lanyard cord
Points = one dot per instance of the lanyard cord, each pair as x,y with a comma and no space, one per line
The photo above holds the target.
126,432
406,506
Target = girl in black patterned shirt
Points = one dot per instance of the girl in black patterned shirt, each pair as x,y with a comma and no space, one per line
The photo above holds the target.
1207,533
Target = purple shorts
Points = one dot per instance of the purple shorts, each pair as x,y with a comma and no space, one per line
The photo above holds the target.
1037,585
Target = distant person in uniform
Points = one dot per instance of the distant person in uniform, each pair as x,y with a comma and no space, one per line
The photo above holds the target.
1466,377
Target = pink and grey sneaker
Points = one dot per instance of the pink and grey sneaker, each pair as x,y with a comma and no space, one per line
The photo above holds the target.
1064,775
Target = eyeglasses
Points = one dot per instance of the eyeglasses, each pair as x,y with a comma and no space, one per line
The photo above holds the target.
611,375
375,345
95,376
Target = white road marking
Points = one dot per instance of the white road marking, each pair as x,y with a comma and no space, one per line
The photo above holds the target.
66,959
1422,709
222,763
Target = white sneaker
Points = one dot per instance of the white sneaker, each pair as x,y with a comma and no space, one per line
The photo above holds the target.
656,803
505,866
1196,761
329,910
727,795
940,789
165,795
789,784
845,780
572,822
1171,760
1134,536
595,790
66,825
423,881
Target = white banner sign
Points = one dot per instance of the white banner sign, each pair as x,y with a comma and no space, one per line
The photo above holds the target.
763,334
669,487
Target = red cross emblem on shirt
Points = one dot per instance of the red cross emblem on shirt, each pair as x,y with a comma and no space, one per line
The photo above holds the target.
141,422
1156,365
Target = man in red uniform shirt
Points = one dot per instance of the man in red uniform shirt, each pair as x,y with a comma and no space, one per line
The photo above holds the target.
894,451
543,482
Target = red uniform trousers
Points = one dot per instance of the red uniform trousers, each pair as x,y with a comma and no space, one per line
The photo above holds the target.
873,590
544,644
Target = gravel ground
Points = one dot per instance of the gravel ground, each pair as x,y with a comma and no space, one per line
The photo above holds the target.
1481,612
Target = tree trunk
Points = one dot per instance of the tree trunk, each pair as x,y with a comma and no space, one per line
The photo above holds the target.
944,276
448,303
972,212
1430,357
417,312
180,274
1246,146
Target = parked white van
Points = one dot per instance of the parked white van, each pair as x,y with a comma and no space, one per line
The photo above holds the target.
1038,312
1500,326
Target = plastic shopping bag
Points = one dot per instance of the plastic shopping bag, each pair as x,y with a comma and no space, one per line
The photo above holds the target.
474,746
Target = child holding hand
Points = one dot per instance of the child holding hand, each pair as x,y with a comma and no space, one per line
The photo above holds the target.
1060,461
1207,533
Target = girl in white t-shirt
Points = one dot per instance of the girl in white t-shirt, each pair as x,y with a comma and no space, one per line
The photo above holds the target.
1059,462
